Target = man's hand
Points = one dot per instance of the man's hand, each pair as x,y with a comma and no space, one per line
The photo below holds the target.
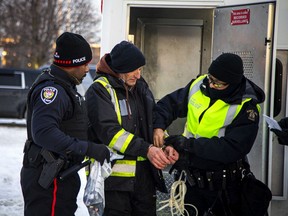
157,157
282,136
171,154
158,137
182,163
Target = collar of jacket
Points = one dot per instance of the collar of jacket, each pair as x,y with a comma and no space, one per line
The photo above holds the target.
61,75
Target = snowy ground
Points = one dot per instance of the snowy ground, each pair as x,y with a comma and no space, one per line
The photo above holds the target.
12,138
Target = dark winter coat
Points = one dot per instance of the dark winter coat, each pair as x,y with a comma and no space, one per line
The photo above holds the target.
59,124
104,123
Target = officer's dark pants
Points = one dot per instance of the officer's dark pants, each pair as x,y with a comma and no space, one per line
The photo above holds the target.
58,200
203,199
140,202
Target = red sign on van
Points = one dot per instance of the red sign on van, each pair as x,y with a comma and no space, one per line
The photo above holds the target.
240,17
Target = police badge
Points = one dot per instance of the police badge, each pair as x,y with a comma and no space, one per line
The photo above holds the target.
48,94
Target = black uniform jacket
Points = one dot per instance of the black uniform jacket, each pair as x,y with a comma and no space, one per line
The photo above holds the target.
57,118
216,152
138,120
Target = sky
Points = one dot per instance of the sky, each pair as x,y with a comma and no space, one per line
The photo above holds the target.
11,146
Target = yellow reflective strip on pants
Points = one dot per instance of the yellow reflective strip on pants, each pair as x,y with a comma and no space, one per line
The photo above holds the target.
140,158
124,168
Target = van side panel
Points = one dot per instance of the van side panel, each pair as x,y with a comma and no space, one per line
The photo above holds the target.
14,87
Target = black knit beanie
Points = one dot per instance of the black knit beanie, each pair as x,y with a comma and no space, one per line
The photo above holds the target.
72,50
227,68
125,57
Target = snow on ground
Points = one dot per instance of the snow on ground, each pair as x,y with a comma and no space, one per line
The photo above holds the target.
12,139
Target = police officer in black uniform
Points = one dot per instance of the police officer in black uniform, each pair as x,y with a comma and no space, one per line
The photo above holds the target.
222,110
57,125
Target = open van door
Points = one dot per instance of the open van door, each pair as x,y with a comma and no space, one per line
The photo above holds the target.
177,47
247,30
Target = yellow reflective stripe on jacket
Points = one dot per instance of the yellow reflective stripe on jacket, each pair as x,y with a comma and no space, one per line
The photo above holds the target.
87,168
124,168
214,120
121,140
104,81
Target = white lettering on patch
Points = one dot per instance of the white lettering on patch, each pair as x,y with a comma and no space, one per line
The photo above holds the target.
79,60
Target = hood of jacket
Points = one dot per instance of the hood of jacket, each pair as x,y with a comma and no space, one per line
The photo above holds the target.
253,91
103,67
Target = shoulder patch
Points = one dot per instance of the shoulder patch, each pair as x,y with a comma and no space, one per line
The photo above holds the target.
48,94
252,114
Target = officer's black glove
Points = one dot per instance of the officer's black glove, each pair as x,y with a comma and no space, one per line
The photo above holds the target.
283,123
179,142
99,152
282,136
182,163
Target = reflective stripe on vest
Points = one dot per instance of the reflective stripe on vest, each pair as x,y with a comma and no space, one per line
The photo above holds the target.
104,81
215,118
121,140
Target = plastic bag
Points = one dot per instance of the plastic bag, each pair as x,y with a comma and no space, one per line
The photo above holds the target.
94,191
94,197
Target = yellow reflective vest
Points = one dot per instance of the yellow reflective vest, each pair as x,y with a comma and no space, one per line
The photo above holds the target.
214,119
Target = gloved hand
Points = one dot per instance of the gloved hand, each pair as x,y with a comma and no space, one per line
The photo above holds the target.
99,152
282,136
179,142
283,123
182,163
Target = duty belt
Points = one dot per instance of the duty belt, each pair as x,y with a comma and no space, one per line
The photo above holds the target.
216,179
34,157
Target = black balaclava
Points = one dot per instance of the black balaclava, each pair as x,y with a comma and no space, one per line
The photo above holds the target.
221,94
227,68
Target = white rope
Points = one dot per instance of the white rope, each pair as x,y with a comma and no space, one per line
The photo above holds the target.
176,200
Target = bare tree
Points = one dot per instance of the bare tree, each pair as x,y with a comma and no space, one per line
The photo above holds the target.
28,28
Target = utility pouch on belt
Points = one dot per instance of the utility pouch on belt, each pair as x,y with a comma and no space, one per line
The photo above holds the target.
50,169
199,179
190,178
32,155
